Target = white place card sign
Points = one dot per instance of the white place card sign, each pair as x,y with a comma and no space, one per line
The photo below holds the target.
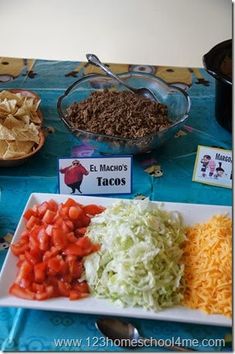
213,166
95,175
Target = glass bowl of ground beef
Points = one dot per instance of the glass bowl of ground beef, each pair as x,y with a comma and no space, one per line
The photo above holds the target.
111,119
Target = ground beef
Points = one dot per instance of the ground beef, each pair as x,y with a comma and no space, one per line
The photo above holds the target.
123,114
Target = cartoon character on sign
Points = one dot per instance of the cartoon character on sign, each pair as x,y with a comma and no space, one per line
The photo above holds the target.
211,167
219,171
73,175
205,162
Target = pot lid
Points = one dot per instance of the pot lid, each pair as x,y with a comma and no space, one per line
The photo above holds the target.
218,61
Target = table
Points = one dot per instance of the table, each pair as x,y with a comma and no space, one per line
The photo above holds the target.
37,330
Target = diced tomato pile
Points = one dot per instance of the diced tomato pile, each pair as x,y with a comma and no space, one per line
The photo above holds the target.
50,251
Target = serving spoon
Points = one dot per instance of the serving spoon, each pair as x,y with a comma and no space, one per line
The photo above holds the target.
145,92
125,334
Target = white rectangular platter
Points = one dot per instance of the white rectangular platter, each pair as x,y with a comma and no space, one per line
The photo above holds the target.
192,213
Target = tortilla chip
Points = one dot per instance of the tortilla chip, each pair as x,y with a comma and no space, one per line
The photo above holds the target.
6,134
20,146
21,111
3,113
7,106
17,149
25,119
10,96
3,148
11,122
30,133
35,117
12,154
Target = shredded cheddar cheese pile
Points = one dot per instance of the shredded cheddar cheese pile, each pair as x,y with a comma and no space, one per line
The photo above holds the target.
208,266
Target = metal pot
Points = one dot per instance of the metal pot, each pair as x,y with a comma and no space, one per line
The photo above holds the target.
218,63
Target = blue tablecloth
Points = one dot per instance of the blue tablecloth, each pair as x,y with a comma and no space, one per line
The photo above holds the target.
37,330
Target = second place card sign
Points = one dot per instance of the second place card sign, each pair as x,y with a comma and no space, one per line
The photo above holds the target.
95,175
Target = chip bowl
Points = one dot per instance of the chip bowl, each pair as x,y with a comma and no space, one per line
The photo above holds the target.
176,99
20,160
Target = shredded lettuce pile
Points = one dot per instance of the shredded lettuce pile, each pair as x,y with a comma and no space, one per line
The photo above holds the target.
139,263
